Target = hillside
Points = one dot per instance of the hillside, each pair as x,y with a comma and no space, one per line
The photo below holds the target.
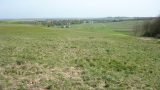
85,56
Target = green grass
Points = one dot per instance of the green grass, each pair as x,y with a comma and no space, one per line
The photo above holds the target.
86,56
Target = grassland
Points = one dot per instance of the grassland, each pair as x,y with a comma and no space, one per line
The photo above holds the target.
86,56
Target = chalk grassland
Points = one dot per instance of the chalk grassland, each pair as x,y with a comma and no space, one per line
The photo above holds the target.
86,56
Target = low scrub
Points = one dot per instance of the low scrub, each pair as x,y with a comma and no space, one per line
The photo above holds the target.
149,28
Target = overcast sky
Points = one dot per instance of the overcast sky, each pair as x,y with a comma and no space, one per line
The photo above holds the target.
77,8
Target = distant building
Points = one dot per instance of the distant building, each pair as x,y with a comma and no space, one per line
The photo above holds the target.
91,22
66,25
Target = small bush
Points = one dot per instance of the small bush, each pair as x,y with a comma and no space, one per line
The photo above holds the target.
149,28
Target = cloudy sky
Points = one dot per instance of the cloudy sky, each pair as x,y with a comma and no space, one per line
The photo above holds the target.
77,8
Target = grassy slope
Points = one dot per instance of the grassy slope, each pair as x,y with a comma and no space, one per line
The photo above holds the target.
97,56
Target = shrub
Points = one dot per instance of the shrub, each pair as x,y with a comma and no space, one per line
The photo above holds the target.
149,28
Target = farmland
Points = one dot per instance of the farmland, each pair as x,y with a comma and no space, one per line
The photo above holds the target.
85,56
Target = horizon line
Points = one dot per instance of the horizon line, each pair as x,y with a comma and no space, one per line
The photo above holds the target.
78,17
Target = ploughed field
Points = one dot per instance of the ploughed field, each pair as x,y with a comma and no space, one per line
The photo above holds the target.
86,56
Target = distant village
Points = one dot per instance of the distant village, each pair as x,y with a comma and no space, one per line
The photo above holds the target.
62,23
66,23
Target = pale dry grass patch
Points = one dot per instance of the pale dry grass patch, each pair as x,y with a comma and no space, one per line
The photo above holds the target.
34,76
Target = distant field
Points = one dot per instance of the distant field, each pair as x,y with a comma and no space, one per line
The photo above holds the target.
86,56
